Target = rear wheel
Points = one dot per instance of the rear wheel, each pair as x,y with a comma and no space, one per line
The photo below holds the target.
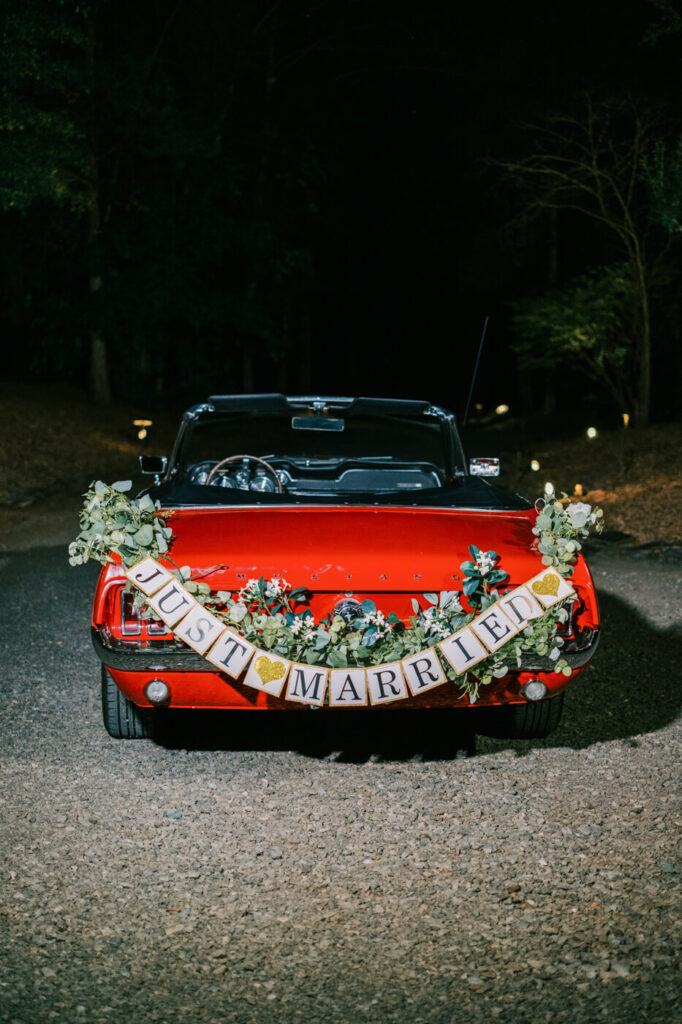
530,721
122,719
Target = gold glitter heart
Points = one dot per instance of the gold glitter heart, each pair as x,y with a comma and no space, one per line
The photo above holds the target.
267,670
548,585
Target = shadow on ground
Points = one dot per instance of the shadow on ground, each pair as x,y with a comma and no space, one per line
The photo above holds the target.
629,689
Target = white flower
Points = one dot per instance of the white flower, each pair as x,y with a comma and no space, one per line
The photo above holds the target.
296,626
249,591
276,587
484,563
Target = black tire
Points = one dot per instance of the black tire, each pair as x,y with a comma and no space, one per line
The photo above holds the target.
122,719
530,721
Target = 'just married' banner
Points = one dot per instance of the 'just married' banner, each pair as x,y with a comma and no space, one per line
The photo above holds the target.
348,687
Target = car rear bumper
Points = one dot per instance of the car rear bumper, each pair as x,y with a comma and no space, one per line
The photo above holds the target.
195,682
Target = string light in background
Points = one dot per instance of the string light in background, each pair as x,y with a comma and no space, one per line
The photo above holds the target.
142,428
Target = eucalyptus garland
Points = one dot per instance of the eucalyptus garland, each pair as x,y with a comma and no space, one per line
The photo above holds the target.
110,523
272,614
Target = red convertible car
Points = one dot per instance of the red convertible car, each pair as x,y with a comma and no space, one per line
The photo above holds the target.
334,552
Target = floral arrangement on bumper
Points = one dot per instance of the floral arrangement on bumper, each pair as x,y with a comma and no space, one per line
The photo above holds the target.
273,615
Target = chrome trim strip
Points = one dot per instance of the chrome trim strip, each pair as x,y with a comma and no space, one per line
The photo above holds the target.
348,504
129,658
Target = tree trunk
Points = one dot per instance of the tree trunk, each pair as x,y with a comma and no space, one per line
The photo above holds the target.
643,355
100,390
549,399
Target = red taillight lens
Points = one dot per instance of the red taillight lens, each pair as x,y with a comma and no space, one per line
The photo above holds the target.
132,623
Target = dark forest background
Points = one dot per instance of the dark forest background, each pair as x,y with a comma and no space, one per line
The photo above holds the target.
332,197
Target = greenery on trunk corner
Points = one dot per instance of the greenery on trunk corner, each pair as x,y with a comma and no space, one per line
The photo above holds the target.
273,615
111,522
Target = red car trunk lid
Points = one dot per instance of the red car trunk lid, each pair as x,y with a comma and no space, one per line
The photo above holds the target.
350,549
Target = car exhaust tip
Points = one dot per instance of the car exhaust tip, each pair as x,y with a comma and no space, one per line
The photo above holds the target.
534,689
158,693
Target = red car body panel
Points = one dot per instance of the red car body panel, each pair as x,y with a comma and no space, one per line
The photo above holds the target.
389,554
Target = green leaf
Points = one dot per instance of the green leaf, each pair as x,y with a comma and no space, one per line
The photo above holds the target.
431,598
237,612
369,636
122,485
144,536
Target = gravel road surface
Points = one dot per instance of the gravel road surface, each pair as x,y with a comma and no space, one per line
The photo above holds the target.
293,868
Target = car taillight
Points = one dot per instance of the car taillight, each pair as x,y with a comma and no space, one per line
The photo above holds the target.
131,621
567,628
131,624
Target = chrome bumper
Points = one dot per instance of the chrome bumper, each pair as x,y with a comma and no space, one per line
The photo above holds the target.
126,656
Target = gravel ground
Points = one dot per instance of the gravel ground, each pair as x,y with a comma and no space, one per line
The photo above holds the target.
294,868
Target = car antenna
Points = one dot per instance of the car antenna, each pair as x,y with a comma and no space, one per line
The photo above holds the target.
473,379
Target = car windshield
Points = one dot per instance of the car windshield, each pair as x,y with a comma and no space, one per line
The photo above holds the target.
394,438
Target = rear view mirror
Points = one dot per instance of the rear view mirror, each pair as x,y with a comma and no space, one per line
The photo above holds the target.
482,466
317,422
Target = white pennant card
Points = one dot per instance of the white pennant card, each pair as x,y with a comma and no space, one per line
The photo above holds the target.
493,628
386,683
267,672
423,671
348,688
172,603
463,650
199,629
231,653
149,576
307,684
549,587
521,607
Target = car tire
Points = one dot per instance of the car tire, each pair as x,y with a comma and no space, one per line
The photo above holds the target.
530,721
122,719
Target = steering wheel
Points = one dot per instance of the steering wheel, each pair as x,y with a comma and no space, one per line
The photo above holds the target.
251,458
